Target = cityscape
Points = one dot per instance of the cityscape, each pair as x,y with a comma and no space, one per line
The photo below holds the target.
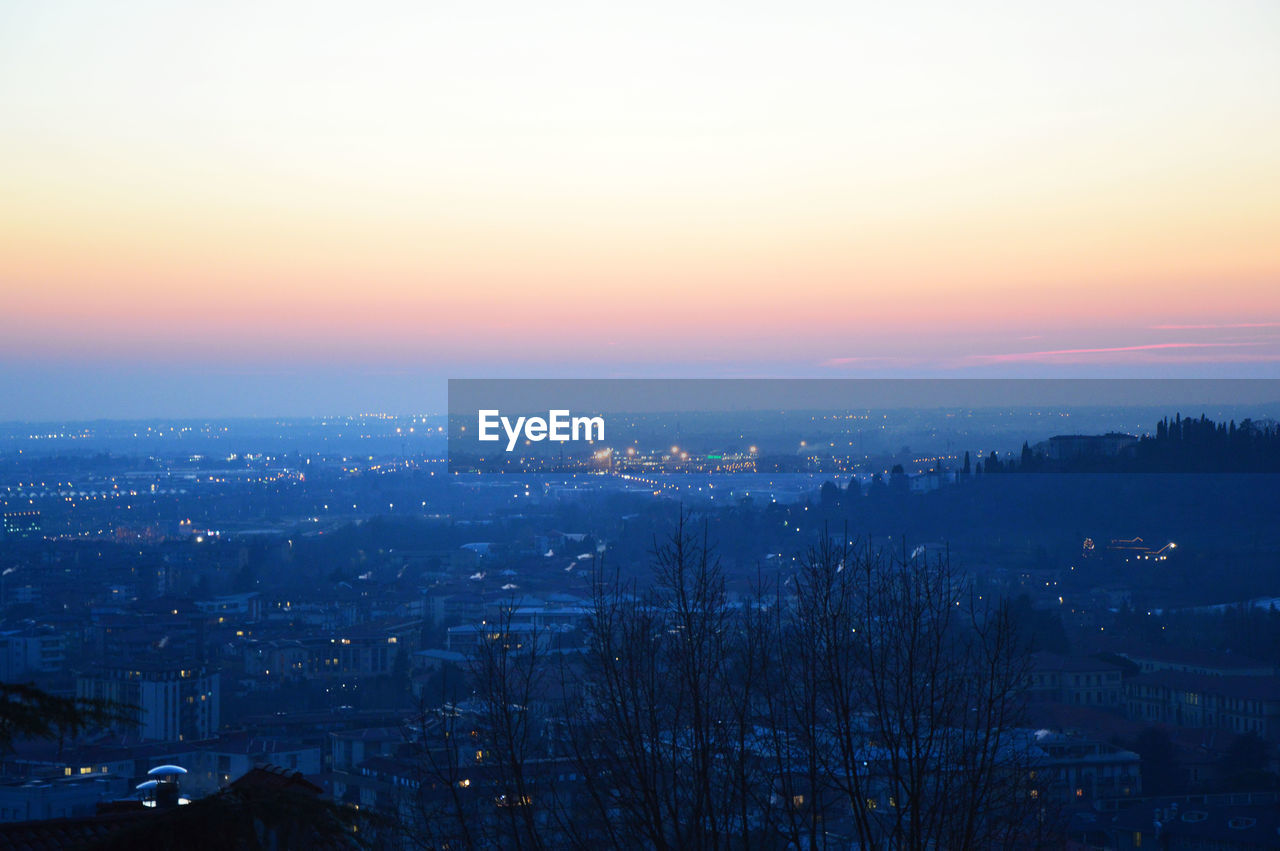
259,598
695,426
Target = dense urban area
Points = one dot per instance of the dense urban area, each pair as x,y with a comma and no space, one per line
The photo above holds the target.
1054,639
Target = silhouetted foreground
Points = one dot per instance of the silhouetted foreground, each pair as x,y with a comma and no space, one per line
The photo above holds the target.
268,808
871,701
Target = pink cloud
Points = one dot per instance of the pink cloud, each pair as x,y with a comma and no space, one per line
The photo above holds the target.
887,360
1013,357
1215,326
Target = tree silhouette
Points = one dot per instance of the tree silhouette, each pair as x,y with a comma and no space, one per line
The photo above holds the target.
27,712
866,698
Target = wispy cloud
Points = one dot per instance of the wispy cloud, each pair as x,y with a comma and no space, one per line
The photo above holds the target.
1215,326
1180,352
874,360
1066,354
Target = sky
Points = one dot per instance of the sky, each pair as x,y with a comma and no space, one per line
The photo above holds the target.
313,208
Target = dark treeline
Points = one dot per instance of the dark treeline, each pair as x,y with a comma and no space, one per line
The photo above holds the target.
1205,446
1178,446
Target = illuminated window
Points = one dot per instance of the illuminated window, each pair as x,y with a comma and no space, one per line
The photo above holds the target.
797,801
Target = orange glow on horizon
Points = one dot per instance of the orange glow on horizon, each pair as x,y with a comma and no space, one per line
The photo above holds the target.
837,188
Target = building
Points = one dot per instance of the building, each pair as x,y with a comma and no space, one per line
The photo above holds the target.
20,524
1182,699
173,703
30,652
31,799
234,608
1080,769
1077,680
234,755
268,807
1152,659
278,658
349,748
369,649
1073,447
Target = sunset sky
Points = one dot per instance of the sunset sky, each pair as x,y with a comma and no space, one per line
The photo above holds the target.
249,208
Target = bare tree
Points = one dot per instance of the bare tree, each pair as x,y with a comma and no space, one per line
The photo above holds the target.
866,700
489,766
440,811
916,695
670,721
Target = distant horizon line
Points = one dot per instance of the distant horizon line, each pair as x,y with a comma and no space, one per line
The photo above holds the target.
286,419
